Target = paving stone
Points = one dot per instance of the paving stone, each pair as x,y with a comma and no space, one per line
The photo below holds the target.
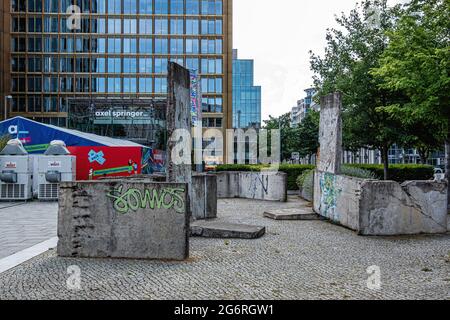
224,230
309,260
292,214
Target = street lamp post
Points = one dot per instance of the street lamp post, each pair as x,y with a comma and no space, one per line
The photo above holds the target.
6,105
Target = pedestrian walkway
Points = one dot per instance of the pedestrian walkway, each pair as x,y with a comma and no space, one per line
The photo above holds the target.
23,225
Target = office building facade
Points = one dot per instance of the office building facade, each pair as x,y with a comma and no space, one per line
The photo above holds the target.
64,61
246,96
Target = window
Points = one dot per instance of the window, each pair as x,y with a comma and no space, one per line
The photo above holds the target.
161,26
161,7
192,26
50,6
98,25
145,6
193,7
145,85
145,46
129,45
161,46
176,6
160,65
99,65
114,65
114,26
177,26
34,44
129,26
114,45
192,46
129,6
145,65
176,46
99,85
212,7
145,26
114,85
115,6
129,65
130,85
51,24
19,24
99,6
160,85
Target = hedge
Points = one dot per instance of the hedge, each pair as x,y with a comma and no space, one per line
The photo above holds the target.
400,172
292,171
397,172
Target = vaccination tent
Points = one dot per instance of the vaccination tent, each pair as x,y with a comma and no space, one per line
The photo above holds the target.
97,156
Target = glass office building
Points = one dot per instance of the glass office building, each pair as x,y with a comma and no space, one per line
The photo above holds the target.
246,96
55,52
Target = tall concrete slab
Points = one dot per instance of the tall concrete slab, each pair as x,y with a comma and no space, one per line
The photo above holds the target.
178,124
330,134
123,219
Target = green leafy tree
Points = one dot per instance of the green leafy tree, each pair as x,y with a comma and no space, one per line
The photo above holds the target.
417,63
289,135
308,132
352,51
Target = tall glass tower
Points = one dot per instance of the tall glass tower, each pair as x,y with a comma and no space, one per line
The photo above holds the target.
83,54
246,96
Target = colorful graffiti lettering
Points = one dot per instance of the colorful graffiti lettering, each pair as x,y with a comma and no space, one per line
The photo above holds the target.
135,199
329,195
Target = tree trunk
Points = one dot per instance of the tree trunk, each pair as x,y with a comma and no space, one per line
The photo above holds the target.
385,156
447,167
423,154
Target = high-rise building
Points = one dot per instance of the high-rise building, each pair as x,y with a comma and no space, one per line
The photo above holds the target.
246,96
299,112
69,62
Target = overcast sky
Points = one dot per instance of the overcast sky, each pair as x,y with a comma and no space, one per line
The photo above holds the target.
278,36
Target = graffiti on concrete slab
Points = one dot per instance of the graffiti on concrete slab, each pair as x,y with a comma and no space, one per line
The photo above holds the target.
259,181
329,195
132,199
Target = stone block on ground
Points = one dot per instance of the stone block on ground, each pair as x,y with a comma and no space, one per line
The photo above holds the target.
123,219
304,214
224,230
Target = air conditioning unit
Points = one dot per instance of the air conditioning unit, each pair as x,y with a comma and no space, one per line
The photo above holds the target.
55,166
16,172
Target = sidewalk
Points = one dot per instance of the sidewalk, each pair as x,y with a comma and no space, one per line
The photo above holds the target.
23,225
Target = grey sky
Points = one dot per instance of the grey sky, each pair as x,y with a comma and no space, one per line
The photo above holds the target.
278,36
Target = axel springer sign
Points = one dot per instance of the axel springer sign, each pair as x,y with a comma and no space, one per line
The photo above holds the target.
120,114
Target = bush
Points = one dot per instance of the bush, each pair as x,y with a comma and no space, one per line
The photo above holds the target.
357,172
399,172
305,182
292,171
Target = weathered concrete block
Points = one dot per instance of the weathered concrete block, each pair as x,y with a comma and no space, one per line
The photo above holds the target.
388,208
373,207
252,185
123,219
227,185
204,196
330,134
223,230
293,214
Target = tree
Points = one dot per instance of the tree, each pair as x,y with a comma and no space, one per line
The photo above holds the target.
308,132
289,135
417,62
350,55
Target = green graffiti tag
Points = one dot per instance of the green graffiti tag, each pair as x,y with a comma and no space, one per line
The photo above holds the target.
135,199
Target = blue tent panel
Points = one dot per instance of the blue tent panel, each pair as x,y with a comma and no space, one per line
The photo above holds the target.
36,136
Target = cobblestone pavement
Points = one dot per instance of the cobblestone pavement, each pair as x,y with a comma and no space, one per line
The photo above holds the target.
23,225
294,260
